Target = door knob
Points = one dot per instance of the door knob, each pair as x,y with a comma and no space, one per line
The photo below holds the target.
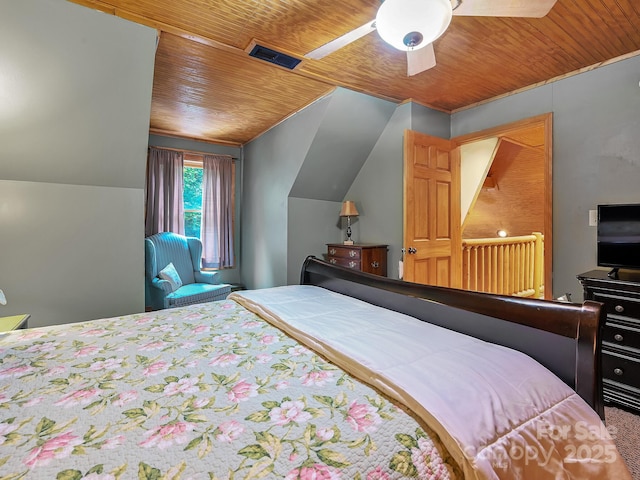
411,250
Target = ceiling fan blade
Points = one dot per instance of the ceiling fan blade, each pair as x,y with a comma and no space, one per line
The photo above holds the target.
341,41
505,8
420,60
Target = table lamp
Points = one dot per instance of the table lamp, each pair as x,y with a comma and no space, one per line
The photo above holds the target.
348,210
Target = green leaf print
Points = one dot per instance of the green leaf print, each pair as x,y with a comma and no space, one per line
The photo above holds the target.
333,458
406,441
147,472
255,452
401,463
69,475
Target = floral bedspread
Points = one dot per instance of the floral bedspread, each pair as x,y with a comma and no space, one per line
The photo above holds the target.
209,391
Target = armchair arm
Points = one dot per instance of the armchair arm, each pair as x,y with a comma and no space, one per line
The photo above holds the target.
206,277
161,284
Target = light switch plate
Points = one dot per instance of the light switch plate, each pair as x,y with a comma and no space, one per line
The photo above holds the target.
593,218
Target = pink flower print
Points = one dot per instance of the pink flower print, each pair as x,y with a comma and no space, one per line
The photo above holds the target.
428,461
6,429
325,434
229,431
250,324
378,474
242,391
153,346
184,385
187,344
268,339
225,359
54,371
17,372
227,306
33,401
298,350
363,417
163,328
56,447
166,435
41,347
289,412
191,364
143,320
79,397
112,443
314,472
318,377
225,338
282,385
198,403
86,351
201,329
263,358
109,364
31,334
125,397
94,332
155,368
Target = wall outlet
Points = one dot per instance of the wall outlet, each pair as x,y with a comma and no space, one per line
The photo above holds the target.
593,218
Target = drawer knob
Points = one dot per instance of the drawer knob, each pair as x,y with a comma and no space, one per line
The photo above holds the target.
353,253
618,338
375,264
619,308
618,371
332,251
353,264
333,260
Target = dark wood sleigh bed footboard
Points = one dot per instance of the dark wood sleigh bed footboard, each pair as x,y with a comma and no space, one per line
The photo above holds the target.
563,337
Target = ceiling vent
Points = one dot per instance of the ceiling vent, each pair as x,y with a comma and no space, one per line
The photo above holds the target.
272,56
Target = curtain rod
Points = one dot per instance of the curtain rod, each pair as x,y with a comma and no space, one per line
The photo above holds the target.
193,152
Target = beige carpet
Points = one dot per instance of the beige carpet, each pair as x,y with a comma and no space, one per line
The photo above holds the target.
627,436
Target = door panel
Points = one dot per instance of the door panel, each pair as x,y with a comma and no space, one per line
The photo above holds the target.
432,238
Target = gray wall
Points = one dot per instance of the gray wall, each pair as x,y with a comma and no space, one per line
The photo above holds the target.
270,166
377,190
231,275
74,124
596,145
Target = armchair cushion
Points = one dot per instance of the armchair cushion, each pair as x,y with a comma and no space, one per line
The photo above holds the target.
170,274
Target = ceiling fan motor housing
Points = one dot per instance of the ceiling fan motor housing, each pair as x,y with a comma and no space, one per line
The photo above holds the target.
412,24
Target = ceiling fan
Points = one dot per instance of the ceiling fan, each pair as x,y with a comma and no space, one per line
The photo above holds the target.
413,25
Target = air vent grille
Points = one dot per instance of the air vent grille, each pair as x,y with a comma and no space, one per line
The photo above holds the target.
272,56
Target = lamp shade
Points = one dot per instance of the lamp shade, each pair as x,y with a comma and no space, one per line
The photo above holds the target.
412,24
349,209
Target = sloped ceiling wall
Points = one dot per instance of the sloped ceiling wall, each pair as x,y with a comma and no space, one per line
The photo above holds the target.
516,203
334,159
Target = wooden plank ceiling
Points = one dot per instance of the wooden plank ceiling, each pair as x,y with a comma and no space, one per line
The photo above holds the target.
206,86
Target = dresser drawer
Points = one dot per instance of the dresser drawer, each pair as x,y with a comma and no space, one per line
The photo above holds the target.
614,305
345,262
621,368
344,252
621,335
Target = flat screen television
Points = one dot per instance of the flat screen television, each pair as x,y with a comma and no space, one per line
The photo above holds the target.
619,237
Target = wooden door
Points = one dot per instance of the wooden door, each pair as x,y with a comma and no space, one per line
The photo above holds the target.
432,239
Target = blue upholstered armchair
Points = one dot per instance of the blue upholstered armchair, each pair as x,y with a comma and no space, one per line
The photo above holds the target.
182,282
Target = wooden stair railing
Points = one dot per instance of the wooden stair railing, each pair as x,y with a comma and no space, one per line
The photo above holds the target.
507,266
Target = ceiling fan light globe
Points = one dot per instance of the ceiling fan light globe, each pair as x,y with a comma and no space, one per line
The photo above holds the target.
398,18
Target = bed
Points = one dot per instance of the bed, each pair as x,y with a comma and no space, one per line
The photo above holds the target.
347,375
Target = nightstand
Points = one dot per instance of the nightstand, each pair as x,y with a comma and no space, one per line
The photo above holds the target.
13,323
370,258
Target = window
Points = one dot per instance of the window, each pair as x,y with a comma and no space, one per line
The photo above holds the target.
192,197
193,177
203,205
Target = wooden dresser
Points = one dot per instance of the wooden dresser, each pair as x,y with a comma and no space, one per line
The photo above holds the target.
370,258
620,333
